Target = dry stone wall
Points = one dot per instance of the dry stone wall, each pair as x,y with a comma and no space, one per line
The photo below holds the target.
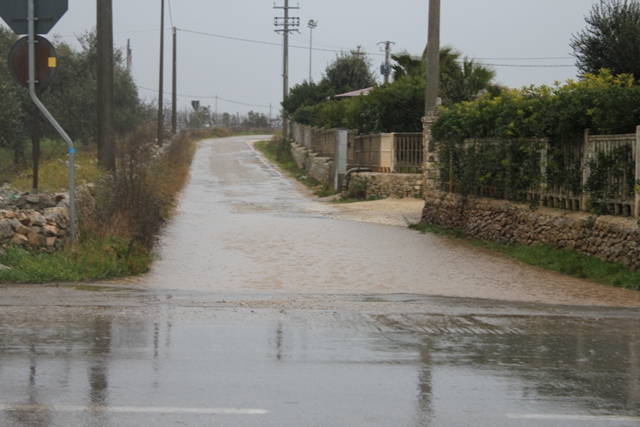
383,185
613,239
39,221
315,167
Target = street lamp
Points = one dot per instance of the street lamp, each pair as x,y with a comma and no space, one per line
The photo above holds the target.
312,25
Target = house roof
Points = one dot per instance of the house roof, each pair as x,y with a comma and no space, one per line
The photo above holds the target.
354,93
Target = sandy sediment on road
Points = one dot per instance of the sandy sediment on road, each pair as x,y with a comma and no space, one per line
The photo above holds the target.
397,212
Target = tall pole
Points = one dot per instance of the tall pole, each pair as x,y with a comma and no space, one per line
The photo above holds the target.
36,143
285,74
312,25
161,86
106,98
174,94
433,58
286,23
386,70
31,19
129,56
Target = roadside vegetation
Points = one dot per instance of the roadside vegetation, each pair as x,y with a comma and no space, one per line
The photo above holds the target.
119,216
563,261
397,106
278,150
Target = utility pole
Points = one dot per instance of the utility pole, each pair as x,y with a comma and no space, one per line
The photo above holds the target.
290,25
106,87
129,56
433,58
161,86
312,26
174,94
386,68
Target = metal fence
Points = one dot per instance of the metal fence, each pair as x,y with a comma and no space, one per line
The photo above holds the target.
408,152
567,172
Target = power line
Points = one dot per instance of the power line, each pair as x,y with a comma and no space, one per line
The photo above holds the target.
182,95
263,42
529,66
528,59
170,14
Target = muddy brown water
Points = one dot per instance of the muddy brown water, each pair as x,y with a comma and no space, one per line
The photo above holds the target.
243,226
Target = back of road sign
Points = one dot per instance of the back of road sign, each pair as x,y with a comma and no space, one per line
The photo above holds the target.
47,12
46,62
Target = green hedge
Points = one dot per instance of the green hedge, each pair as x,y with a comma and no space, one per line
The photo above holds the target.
604,103
509,166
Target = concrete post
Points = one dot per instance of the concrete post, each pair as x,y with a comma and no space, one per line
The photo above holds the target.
340,159
429,167
636,195
586,156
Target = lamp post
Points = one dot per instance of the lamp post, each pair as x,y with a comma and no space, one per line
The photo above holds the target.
312,25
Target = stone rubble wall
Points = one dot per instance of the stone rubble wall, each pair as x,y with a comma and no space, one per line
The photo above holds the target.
384,185
39,221
315,167
613,239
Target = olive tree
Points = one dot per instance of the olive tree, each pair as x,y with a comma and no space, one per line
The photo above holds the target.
611,39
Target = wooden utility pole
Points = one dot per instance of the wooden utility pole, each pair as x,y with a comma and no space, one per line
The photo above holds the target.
174,94
161,86
290,25
129,58
106,86
433,58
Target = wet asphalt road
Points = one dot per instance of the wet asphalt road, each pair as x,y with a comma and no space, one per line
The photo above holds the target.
264,310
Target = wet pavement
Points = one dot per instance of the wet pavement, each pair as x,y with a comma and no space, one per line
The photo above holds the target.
268,309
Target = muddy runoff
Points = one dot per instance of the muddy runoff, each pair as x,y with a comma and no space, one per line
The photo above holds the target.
244,227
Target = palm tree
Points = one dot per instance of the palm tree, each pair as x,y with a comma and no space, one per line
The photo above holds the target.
407,65
474,79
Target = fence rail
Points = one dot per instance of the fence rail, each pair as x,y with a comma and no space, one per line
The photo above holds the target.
408,152
577,175
390,152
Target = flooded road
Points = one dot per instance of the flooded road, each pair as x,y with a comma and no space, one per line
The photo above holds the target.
244,227
267,308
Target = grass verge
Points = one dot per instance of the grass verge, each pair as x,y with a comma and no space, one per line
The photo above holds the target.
278,151
563,261
96,259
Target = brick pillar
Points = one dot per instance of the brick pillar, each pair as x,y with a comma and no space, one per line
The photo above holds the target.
429,168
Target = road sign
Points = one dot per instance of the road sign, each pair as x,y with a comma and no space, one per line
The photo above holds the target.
47,12
46,62
195,105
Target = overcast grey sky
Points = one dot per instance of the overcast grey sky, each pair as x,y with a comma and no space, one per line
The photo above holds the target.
251,73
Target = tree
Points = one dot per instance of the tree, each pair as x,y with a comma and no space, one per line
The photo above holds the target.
306,94
71,96
407,65
13,131
460,80
611,39
348,72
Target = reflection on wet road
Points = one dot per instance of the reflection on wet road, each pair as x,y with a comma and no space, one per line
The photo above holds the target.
150,360
265,311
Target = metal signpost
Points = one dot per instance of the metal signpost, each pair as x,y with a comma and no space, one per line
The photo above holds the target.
27,17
